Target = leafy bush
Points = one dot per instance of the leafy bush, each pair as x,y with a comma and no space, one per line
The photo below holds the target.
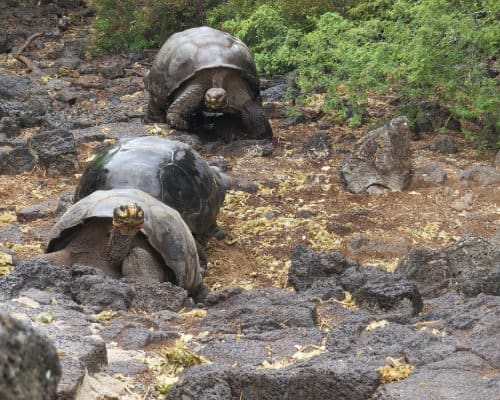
426,49
295,13
136,24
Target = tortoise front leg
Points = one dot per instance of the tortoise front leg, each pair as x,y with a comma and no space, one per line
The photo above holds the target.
254,121
156,110
140,266
185,105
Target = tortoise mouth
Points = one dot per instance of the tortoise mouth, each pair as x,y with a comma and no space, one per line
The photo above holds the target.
216,98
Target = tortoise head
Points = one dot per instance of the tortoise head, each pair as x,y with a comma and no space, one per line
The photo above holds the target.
216,98
128,218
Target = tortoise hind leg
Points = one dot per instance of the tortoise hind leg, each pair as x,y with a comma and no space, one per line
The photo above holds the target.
254,121
140,266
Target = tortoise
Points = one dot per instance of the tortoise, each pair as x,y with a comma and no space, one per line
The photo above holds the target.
168,170
128,233
204,70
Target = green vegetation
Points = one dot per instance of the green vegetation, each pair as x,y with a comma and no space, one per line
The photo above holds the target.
436,50
135,25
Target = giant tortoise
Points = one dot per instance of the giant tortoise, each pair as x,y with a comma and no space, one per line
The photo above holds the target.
128,233
205,71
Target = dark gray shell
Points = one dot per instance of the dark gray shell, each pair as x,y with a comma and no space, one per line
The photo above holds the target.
187,52
168,170
164,228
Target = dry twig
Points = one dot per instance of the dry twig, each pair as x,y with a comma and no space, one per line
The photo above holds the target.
18,54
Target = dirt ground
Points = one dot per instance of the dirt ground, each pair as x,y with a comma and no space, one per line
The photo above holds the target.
262,228
300,200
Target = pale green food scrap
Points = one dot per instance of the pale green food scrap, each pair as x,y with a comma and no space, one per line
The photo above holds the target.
165,382
21,248
395,370
303,352
194,313
157,131
5,259
105,315
7,218
376,325
172,362
45,317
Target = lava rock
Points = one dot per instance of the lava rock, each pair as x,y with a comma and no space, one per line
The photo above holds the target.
454,381
24,115
92,287
15,158
15,87
483,174
364,245
113,71
465,266
319,145
29,364
9,128
260,310
388,294
163,296
309,266
44,209
6,42
353,378
55,150
12,233
444,144
431,116
291,121
429,174
382,158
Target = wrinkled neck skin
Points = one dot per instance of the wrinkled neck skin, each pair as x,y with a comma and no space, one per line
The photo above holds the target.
120,241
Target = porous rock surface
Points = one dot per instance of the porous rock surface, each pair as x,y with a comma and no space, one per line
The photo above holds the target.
29,364
254,339
382,158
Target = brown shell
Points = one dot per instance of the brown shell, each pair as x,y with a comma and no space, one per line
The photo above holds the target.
163,227
187,52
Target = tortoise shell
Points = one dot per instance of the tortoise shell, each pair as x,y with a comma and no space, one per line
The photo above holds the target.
163,227
188,52
168,170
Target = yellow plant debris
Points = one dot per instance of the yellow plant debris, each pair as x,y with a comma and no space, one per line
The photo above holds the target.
45,317
348,301
422,324
194,313
301,354
172,362
7,218
395,370
105,315
5,259
157,131
376,325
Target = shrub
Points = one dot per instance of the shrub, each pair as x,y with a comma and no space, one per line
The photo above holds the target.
135,24
427,49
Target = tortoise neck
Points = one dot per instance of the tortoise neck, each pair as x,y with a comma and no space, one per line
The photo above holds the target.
119,244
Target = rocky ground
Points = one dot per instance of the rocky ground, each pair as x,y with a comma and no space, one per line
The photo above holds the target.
305,299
